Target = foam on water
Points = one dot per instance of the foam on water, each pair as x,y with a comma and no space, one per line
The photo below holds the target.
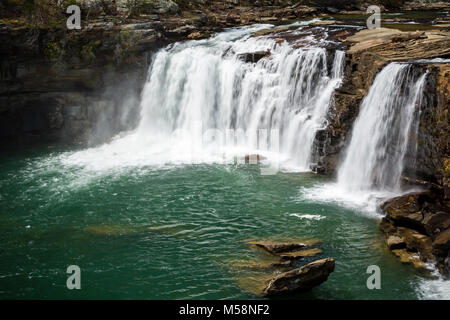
438,289
205,86
317,217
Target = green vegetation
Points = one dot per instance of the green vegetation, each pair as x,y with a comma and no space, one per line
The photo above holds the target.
52,51
87,52
447,167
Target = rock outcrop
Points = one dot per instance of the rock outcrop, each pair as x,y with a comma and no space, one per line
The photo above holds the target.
299,280
417,228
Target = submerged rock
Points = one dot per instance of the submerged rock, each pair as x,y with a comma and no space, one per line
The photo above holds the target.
109,230
302,279
259,276
300,254
261,264
278,247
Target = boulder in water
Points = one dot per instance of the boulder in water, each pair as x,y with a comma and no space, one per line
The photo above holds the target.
302,279
417,228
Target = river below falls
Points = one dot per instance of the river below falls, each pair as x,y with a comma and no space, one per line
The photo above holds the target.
175,232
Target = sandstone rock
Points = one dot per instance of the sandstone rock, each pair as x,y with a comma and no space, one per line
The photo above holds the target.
407,45
437,222
261,264
196,35
408,36
270,31
395,242
300,254
387,227
441,244
407,257
302,279
407,210
417,242
278,247
417,219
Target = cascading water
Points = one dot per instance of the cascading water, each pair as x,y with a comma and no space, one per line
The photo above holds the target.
206,85
380,137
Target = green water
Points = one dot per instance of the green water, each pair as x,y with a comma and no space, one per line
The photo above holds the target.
172,233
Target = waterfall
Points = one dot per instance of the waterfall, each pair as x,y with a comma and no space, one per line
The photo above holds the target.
233,82
383,133
375,156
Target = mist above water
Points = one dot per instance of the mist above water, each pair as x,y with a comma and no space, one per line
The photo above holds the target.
207,85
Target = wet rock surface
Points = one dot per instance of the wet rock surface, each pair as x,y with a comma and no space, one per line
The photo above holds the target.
283,267
253,57
417,228
302,279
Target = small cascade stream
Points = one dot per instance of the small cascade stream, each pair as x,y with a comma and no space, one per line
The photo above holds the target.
375,156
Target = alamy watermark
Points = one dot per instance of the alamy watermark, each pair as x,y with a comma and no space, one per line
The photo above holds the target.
374,21
74,21
374,280
74,280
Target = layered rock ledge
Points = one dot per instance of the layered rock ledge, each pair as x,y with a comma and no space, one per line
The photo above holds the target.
417,229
